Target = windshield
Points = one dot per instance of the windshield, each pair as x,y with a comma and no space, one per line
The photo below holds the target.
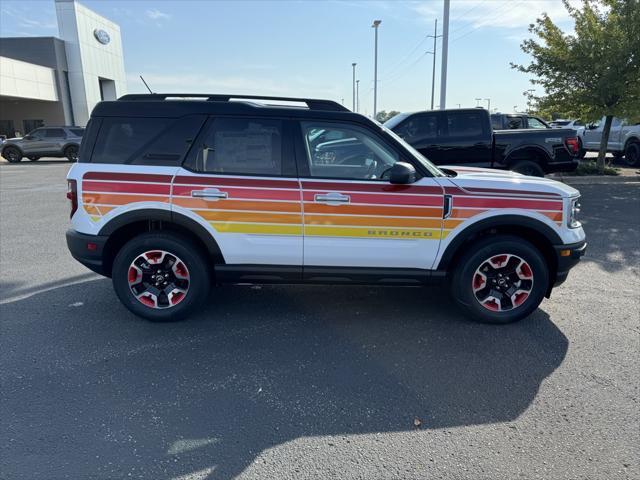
395,121
435,171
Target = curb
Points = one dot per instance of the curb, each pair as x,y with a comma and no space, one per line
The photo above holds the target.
596,179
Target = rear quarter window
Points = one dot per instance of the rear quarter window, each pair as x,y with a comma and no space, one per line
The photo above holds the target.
145,141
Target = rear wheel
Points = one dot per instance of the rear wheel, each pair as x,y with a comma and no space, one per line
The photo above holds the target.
12,154
632,154
527,167
501,280
71,152
161,276
581,151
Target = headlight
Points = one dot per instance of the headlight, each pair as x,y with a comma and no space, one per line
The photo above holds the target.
574,210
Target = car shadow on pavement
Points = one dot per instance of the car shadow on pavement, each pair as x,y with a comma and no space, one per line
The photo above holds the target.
106,394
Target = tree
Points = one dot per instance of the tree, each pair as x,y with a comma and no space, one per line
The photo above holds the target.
593,72
382,116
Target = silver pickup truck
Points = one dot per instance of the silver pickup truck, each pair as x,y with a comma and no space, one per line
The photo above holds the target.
624,139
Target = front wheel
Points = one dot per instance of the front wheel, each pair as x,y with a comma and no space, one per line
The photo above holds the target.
501,280
12,154
527,167
161,276
632,154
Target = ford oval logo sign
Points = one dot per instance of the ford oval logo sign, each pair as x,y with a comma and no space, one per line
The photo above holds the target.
102,36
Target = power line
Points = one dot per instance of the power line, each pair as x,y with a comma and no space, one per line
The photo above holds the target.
480,25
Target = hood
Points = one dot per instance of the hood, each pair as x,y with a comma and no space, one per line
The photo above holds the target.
488,178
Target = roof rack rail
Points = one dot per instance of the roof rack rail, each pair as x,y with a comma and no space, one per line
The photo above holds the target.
312,104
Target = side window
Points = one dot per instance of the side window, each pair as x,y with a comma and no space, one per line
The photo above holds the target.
536,123
54,133
242,146
515,123
419,127
465,124
37,134
145,141
345,151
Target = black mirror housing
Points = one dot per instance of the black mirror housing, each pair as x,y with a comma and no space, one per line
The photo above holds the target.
402,173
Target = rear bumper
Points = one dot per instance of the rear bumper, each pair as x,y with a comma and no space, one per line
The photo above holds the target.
568,257
88,250
568,166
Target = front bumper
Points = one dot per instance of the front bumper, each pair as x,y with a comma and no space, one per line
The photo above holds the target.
88,250
567,257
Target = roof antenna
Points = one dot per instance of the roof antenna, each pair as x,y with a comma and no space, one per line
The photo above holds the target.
145,84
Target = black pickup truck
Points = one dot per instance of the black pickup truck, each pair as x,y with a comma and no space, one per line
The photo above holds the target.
465,137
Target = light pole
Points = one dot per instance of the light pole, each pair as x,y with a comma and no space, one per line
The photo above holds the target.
488,100
478,102
445,55
354,86
376,24
357,96
433,73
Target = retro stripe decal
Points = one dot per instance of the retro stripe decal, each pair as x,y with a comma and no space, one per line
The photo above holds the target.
273,206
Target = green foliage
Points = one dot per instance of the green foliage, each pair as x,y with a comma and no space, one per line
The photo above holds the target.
382,116
589,167
592,72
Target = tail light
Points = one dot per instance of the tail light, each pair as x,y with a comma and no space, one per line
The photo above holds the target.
72,195
572,144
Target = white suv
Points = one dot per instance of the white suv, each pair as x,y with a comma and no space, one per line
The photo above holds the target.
171,195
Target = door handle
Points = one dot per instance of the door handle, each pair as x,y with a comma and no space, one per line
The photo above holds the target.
332,198
209,193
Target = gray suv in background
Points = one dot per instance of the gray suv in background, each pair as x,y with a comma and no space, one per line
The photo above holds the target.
44,142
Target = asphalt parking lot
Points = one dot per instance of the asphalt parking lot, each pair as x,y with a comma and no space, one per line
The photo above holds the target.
292,382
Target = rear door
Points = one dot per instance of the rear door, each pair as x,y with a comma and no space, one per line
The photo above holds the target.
54,139
240,182
353,216
466,138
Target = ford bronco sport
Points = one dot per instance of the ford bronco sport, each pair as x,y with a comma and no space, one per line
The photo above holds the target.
175,192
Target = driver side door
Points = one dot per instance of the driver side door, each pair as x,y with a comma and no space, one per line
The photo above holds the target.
352,215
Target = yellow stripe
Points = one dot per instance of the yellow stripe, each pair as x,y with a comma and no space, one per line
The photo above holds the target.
257,228
373,232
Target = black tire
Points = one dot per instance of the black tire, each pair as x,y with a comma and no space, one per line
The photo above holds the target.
71,152
176,245
33,158
464,275
528,167
12,154
632,154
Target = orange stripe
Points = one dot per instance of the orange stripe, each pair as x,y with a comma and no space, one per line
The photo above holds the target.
197,203
372,221
556,216
102,210
373,210
458,213
111,199
257,217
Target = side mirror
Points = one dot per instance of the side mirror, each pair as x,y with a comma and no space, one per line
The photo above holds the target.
402,173
592,126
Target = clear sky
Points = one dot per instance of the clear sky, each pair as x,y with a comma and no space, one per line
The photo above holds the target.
306,48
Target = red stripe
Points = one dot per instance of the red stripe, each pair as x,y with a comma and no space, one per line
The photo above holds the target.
388,199
243,193
236,182
127,177
479,202
371,187
126,187
513,192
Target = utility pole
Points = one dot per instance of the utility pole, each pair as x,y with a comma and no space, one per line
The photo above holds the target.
478,102
445,53
459,105
357,96
488,104
354,86
376,24
433,73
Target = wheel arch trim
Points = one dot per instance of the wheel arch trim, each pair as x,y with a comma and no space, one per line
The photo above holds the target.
447,253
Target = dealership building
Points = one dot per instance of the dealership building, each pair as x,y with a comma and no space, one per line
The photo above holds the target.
58,80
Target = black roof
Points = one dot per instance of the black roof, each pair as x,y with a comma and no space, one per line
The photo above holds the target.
177,105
